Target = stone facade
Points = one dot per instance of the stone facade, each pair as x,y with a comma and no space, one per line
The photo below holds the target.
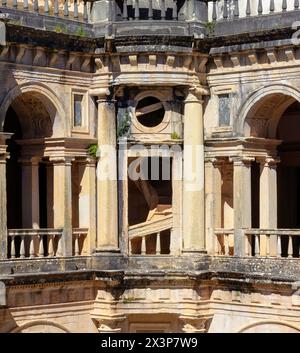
92,94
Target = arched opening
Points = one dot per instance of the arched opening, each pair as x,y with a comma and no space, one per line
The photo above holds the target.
273,122
29,121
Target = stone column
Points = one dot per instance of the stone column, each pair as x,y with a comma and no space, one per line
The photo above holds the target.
193,174
268,203
213,201
3,196
107,184
30,193
87,202
62,202
241,201
176,235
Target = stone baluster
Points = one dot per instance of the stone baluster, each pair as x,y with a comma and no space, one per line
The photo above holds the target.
225,11
143,246
136,10
25,5
4,3
163,9
15,4
260,7
284,5
174,10
236,9
75,14
76,250
158,247
31,247
12,247
214,11
85,11
41,245
272,6
66,8
296,4
50,246
150,13
290,246
125,12
46,7
56,8
36,5
248,8
278,246
257,246
22,247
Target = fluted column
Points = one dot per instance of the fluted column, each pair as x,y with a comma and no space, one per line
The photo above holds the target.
107,186
30,193
241,201
268,203
193,170
62,202
3,196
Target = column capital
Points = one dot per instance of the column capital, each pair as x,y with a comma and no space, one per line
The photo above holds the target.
215,161
110,325
194,324
195,94
268,161
242,160
101,93
64,160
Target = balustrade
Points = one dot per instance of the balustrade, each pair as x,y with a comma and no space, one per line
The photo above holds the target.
32,243
234,9
288,242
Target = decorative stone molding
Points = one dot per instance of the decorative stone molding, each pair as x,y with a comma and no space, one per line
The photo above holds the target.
194,324
110,325
25,54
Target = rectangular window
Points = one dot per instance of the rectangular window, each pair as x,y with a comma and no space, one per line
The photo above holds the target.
78,99
224,110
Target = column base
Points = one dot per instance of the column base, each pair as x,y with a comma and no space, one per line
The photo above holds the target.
107,250
188,252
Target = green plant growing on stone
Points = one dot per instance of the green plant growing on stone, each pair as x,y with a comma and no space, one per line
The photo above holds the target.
123,125
128,300
93,150
210,26
175,136
80,32
60,29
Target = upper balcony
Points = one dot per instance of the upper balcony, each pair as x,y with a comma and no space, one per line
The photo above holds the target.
110,18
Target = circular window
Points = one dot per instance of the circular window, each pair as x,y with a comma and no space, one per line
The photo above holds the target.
150,111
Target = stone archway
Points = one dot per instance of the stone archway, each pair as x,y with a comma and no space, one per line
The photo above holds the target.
269,326
40,326
260,113
44,97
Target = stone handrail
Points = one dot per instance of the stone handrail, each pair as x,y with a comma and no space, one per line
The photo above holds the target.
143,230
34,243
260,242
